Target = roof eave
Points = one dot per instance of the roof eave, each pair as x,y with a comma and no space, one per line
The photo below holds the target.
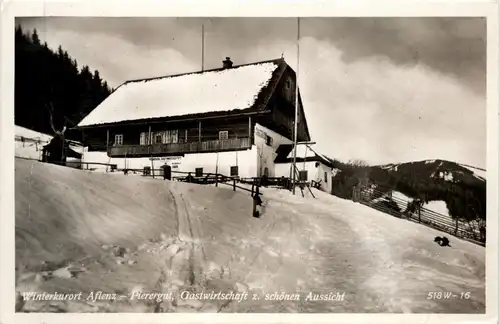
209,115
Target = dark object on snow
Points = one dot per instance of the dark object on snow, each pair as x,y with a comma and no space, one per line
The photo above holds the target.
442,241
264,180
257,201
58,150
167,172
189,178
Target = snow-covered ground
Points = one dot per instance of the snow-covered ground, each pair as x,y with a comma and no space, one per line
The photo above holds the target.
183,237
437,206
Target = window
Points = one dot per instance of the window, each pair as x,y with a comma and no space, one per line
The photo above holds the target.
303,175
269,140
199,172
234,171
158,139
223,135
172,136
118,139
326,177
143,139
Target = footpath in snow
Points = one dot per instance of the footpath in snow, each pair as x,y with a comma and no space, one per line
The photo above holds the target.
145,245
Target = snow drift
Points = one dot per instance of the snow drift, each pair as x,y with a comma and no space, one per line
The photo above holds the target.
78,231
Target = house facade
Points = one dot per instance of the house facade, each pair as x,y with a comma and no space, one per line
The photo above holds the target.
311,166
229,120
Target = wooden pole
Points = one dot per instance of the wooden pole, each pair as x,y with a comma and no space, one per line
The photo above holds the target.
250,127
152,168
83,151
202,47
199,131
149,141
296,105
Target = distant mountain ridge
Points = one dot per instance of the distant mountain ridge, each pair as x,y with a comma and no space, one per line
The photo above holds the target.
461,186
439,169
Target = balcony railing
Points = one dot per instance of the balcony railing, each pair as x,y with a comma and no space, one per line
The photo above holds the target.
180,148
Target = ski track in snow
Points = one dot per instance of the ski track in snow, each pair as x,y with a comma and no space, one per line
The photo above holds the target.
210,242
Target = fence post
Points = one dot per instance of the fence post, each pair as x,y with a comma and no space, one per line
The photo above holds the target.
419,213
234,184
355,197
255,198
456,226
216,179
253,184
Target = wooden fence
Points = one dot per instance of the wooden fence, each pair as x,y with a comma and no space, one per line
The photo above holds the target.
398,207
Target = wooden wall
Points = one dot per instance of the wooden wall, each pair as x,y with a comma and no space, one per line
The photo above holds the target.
283,107
188,131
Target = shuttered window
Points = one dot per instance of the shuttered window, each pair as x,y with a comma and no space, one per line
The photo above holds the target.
223,135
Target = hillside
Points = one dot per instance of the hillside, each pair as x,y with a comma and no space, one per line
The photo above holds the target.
78,231
53,79
461,187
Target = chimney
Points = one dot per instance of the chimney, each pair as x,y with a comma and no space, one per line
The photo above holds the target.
227,64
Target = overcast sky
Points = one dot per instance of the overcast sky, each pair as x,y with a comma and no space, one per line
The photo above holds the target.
382,90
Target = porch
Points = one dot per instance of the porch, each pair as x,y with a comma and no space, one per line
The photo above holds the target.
233,144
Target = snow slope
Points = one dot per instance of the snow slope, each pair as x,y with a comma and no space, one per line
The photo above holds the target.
180,236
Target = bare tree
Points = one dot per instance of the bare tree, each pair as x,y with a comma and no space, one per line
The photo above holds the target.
57,133
358,163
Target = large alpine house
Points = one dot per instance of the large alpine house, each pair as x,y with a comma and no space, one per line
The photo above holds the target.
232,118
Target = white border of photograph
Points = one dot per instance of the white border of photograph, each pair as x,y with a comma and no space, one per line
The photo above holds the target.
290,8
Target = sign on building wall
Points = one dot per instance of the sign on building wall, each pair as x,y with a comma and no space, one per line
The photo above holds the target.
165,158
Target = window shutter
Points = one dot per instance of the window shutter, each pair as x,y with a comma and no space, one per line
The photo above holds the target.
223,135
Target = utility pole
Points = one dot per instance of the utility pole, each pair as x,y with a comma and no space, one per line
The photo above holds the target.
296,109
202,47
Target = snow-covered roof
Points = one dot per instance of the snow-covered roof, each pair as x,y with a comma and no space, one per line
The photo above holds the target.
303,152
195,93
31,134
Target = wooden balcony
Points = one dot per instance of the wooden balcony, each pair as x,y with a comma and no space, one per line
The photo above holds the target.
179,148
